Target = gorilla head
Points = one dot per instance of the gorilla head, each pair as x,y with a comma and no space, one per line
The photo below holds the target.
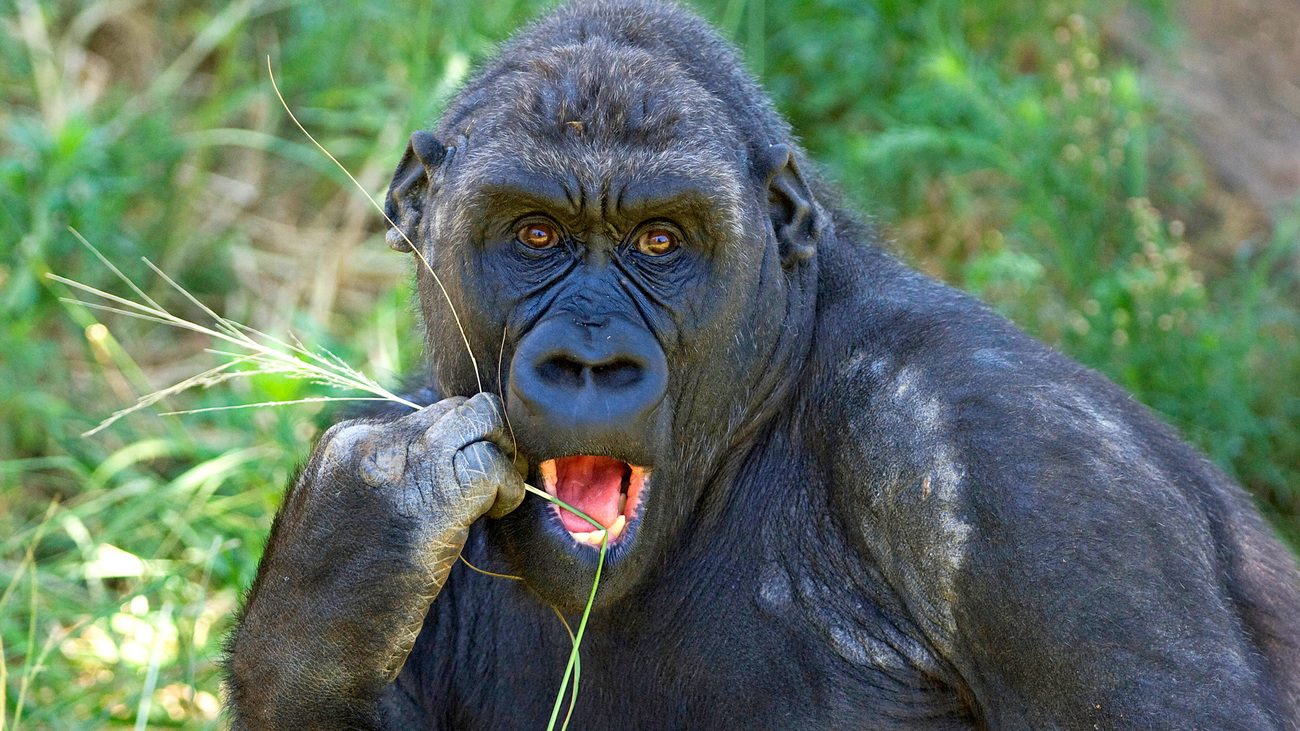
637,245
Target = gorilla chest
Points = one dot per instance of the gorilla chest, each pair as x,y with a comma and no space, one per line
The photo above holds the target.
775,675
745,654
798,649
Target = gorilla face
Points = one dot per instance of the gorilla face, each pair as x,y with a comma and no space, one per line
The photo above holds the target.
607,238
611,320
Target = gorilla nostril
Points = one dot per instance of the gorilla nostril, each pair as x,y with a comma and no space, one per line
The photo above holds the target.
619,374
561,371
569,373
571,387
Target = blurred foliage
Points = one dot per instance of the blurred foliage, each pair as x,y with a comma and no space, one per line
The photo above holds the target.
1002,145
1008,152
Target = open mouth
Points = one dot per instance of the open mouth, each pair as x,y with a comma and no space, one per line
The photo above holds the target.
606,489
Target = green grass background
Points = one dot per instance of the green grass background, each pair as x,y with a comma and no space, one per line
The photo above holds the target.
1003,146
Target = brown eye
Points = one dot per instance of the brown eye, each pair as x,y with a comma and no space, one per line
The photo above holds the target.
656,242
537,236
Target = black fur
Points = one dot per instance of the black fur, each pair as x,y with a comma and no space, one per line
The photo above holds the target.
876,504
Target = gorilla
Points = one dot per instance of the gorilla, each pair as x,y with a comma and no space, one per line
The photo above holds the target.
836,493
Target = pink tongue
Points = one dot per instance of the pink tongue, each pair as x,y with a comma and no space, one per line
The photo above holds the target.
592,485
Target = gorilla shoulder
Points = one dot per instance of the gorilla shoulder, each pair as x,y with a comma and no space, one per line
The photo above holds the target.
1019,501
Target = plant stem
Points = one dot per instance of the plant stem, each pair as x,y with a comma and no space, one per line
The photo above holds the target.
586,611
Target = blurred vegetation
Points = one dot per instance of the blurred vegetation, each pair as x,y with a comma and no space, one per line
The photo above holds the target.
1002,145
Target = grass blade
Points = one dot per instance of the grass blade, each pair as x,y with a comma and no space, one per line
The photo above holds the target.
447,296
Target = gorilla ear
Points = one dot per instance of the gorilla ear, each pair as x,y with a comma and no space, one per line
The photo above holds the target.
796,217
404,204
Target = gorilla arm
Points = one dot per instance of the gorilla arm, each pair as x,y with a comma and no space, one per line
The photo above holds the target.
1056,544
1094,593
362,545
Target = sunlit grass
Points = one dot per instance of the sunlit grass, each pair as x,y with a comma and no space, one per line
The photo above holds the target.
256,352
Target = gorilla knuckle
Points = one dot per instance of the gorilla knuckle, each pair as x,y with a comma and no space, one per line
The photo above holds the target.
382,465
449,403
482,414
348,442
469,421
421,420
375,453
487,405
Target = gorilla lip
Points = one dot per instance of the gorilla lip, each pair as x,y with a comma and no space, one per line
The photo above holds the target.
606,489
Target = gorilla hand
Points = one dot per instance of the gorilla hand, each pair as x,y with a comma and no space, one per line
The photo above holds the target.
364,543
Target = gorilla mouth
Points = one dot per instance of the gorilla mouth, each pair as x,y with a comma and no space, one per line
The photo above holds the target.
607,489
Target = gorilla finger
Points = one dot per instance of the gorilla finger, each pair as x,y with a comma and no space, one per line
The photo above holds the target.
474,420
487,406
482,469
500,433
418,422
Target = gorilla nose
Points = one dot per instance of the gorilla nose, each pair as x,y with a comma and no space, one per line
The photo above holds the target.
594,381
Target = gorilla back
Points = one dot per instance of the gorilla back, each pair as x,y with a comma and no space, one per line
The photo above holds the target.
836,493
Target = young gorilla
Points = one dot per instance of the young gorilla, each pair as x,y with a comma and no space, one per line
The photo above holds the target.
838,494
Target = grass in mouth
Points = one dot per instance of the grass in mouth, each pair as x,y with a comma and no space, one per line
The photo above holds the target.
248,352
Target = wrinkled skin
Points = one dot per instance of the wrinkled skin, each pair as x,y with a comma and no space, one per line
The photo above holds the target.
867,502
412,487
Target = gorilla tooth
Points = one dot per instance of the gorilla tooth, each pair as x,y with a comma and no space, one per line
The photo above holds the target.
595,537
592,539
616,529
549,478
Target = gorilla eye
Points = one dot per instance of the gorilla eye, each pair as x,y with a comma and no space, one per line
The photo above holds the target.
537,235
656,242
